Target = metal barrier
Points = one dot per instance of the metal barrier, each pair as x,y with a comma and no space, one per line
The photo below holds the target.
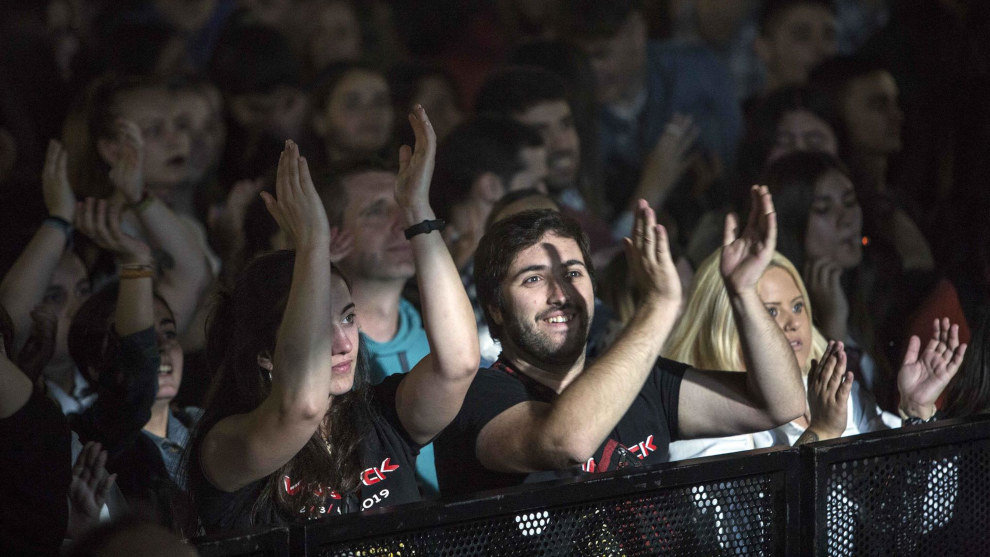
898,492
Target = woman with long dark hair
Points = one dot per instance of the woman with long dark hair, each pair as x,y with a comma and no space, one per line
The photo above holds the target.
292,429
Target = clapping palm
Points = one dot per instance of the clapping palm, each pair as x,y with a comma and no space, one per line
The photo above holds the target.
745,256
924,375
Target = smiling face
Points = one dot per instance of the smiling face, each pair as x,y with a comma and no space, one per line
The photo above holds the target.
785,303
547,304
380,249
555,124
170,352
345,337
835,223
165,130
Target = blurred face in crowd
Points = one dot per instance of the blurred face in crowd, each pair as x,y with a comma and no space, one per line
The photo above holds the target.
534,171
872,115
281,112
619,62
208,132
785,303
555,124
548,302
380,249
167,339
69,288
335,35
801,130
835,224
165,130
359,113
801,38
440,102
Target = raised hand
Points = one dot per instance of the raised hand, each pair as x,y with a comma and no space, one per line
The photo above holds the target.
296,206
822,277
100,220
412,187
829,385
59,199
745,256
127,162
668,161
924,375
650,263
88,490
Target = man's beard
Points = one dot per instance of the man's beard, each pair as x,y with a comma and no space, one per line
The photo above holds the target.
540,349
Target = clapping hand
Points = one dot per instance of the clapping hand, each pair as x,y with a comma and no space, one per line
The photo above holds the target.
745,256
412,187
650,262
924,375
127,161
59,199
100,220
88,490
296,206
829,385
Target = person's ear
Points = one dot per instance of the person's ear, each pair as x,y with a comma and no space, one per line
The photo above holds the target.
108,149
496,314
488,187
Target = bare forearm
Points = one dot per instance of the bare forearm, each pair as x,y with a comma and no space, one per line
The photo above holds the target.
15,388
773,378
302,358
447,314
24,285
603,392
135,306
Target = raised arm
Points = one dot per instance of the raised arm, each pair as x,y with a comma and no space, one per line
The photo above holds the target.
243,448
533,436
24,285
431,395
185,273
770,393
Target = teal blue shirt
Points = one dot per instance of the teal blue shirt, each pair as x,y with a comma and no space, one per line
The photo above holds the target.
399,355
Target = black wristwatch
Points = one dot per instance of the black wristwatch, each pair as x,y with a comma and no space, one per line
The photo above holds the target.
425,227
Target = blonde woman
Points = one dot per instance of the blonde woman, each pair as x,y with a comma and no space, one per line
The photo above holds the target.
706,337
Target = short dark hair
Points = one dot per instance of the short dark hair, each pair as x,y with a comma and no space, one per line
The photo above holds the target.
511,197
517,89
588,20
774,10
486,144
506,238
254,58
330,185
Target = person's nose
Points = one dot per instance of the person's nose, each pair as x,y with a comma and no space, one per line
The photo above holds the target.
341,342
791,322
556,293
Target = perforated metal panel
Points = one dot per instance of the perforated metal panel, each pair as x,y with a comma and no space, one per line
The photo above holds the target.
742,516
909,503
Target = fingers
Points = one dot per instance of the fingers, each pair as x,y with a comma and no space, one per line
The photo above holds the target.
838,370
729,231
911,355
842,395
426,138
305,179
768,219
663,246
956,361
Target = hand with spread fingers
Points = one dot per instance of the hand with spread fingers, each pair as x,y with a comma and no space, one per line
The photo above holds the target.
650,262
746,254
88,490
925,374
829,386
296,206
100,220
412,187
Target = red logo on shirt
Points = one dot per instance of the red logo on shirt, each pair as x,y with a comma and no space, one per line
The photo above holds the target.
644,448
376,474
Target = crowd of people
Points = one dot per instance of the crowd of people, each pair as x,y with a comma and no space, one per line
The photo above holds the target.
274,261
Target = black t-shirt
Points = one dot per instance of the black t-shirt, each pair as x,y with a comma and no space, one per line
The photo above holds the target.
35,472
641,436
388,478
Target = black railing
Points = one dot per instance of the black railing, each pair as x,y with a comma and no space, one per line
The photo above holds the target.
911,491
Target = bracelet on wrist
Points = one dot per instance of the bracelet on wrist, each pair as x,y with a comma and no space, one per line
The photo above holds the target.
425,227
908,419
141,204
136,271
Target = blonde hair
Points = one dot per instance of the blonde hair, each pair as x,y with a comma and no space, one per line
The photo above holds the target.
705,336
